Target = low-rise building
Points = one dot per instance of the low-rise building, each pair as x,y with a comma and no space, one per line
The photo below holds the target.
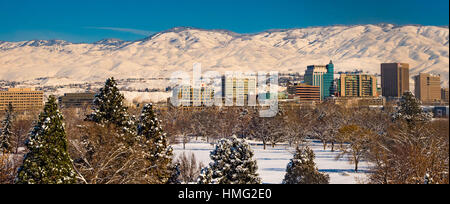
305,92
76,100
22,99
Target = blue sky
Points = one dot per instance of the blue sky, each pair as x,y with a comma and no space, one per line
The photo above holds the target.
89,21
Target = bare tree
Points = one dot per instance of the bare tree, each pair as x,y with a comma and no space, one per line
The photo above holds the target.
102,156
357,141
7,169
412,154
189,168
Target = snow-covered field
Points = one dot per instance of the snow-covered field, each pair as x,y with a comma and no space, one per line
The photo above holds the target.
272,162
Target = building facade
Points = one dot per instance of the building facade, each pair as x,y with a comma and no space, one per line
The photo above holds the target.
305,92
444,95
428,87
394,79
76,100
22,99
238,90
357,85
322,76
190,96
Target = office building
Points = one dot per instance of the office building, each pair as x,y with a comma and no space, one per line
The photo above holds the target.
22,99
444,95
305,93
238,90
190,96
394,79
428,87
322,76
76,100
357,85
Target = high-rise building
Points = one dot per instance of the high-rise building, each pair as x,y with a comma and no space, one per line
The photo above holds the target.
394,79
357,85
305,93
76,100
444,94
190,96
22,99
322,76
238,90
428,87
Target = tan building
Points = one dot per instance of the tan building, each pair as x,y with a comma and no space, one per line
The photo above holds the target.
357,85
239,90
306,93
22,99
77,100
190,96
428,87
394,79
444,94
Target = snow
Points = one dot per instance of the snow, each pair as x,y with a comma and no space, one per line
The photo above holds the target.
272,162
141,97
365,47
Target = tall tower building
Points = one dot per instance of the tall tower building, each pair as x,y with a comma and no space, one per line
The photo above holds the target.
238,90
357,85
321,76
444,95
427,87
394,79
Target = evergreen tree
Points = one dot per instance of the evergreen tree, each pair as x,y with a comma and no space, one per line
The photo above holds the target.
232,164
154,141
5,133
175,175
48,160
302,169
109,107
410,110
206,176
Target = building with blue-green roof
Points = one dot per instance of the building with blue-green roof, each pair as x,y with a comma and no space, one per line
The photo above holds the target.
322,76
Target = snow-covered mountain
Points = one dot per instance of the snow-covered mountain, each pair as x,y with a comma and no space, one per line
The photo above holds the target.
425,48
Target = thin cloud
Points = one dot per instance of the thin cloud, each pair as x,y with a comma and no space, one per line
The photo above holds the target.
126,30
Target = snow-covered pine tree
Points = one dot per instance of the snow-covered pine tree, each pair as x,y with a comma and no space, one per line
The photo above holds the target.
157,151
48,160
5,133
410,110
109,108
232,164
175,175
302,169
206,177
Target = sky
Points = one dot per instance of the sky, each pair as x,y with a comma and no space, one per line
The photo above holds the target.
93,20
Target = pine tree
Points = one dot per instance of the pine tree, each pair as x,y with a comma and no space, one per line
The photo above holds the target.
410,110
206,177
232,164
5,133
109,108
48,160
175,175
302,169
154,141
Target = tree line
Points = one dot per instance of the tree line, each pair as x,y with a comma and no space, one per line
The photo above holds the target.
110,145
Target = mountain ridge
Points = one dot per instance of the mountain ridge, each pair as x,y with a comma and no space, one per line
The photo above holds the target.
286,50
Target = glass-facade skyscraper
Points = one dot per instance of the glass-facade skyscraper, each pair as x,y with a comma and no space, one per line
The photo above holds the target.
322,76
